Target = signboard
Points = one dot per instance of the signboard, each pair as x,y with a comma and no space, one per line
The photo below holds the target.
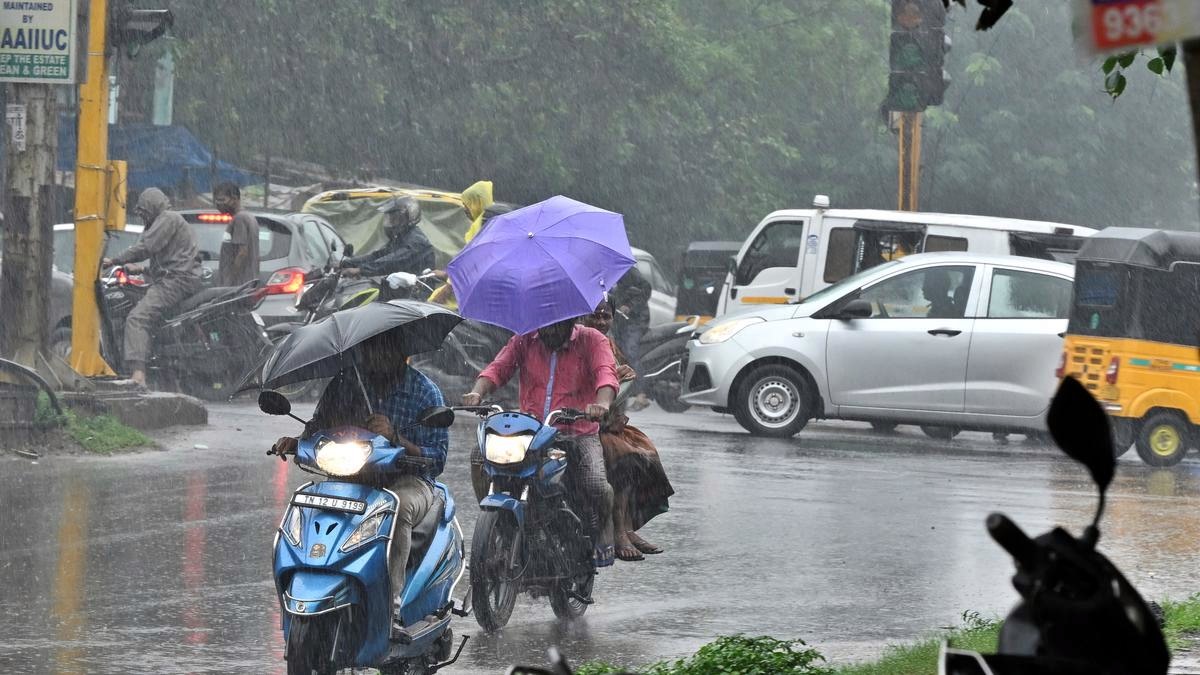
37,41
1117,25
14,116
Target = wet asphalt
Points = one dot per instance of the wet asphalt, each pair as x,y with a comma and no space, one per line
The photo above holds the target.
161,561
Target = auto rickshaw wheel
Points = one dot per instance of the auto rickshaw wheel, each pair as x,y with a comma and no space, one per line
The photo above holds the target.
1124,434
1164,439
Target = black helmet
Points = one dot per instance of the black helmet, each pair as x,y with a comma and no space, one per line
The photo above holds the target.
411,212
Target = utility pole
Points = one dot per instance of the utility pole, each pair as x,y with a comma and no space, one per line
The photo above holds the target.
37,52
99,183
909,128
31,150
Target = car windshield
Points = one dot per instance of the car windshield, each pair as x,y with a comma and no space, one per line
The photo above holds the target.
852,281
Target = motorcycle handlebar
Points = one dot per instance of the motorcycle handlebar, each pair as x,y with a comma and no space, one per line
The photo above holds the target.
1012,539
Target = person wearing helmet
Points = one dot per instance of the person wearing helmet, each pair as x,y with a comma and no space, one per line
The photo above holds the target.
407,248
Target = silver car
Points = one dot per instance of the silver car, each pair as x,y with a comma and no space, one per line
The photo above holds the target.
948,341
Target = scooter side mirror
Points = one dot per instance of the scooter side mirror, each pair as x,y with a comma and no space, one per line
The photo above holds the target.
274,403
436,417
1081,428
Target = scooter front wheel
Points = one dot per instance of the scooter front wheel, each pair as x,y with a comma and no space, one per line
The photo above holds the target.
309,642
495,568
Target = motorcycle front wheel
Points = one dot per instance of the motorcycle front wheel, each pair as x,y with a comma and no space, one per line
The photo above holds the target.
309,642
495,567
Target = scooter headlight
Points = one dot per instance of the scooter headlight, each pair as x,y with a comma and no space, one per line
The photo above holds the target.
292,526
342,459
506,449
365,532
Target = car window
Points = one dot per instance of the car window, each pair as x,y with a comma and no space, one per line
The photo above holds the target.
654,274
116,241
1028,295
931,293
316,249
839,254
778,245
274,238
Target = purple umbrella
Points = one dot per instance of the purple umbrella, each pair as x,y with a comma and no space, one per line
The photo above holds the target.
541,264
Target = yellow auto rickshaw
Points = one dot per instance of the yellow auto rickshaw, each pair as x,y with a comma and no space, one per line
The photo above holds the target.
1134,337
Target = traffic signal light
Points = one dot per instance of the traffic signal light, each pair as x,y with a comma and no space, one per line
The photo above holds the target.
916,55
131,28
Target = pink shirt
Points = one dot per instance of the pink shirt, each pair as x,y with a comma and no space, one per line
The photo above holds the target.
585,365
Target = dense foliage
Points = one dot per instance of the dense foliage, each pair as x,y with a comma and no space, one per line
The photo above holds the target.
694,119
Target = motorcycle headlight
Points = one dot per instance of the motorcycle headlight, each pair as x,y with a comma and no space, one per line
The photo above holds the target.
342,459
365,532
727,329
292,525
506,449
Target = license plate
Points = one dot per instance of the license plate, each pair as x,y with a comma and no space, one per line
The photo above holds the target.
329,503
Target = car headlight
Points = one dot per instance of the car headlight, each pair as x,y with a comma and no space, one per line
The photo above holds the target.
291,526
727,329
365,532
342,459
506,449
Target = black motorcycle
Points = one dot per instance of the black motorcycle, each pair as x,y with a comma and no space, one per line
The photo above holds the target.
1078,613
203,346
660,372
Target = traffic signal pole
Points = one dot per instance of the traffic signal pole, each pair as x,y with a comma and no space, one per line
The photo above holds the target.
91,198
909,126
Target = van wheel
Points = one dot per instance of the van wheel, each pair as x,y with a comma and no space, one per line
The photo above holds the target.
772,401
1164,439
940,433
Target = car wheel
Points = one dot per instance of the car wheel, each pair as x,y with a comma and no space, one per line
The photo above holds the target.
60,343
773,401
940,433
884,427
1164,439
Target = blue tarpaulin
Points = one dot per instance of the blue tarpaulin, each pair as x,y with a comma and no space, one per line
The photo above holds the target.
167,157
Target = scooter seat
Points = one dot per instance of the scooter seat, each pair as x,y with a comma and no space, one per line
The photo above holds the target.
423,533
206,295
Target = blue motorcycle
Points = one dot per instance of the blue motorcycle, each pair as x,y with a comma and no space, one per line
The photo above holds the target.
530,536
331,558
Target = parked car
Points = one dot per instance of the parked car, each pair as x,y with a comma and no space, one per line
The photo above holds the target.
948,341
290,246
662,291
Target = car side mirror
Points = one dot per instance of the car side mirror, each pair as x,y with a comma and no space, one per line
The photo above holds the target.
436,417
274,403
855,309
348,251
731,267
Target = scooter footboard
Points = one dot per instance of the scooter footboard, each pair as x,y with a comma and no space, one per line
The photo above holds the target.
312,592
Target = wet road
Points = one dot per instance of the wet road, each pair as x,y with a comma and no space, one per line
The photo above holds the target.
160,562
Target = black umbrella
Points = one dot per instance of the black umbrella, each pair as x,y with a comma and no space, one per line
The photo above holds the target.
325,348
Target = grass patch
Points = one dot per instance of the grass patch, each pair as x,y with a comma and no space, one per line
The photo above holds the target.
977,634
734,654
100,434
1182,619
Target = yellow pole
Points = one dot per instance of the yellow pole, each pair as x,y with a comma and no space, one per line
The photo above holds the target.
91,198
910,160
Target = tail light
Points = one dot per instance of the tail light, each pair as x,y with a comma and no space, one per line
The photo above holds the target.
123,278
214,218
1062,366
1114,369
286,280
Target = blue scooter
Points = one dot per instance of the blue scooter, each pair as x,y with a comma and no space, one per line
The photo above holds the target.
331,557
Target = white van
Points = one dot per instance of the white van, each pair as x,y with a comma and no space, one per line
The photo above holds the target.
795,253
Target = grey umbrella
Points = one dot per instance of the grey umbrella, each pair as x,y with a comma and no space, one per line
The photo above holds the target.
325,348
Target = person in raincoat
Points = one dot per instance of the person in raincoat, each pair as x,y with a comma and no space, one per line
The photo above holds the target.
174,270
475,200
